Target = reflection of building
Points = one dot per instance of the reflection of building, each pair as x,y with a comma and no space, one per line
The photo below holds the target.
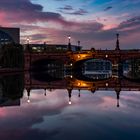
5,102
97,69
9,35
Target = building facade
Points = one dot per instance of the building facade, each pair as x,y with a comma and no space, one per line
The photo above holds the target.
9,35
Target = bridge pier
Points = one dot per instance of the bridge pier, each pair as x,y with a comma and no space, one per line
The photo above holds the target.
117,69
69,94
27,61
118,90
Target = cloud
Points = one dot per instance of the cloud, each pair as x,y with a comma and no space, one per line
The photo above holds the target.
52,27
79,12
90,33
108,8
25,11
69,10
66,7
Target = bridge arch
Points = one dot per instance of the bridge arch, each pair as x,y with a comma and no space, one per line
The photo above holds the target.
132,69
47,64
93,69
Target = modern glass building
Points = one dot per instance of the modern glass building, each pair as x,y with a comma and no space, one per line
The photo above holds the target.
9,35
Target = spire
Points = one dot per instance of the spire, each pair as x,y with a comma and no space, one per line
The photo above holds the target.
69,93
79,93
118,98
45,92
28,94
117,43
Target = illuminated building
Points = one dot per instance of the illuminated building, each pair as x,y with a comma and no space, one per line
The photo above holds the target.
97,69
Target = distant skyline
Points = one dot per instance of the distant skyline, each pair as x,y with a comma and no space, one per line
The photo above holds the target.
93,22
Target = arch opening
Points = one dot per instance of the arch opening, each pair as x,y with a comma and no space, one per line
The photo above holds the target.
94,69
131,69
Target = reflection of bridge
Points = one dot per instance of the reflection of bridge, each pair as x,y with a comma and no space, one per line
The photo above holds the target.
116,56
112,83
70,83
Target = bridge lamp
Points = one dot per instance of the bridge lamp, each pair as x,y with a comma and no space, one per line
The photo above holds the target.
78,56
70,102
79,84
106,84
28,101
28,40
69,37
106,56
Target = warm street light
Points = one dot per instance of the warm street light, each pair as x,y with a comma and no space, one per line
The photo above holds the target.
69,37
28,40
69,102
28,101
106,56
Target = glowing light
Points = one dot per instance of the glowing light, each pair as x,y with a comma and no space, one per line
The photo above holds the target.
70,102
84,84
78,56
28,101
106,84
106,56
79,84
71,64
69,37
28,40
71,76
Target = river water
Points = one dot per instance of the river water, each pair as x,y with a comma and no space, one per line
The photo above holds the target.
53,114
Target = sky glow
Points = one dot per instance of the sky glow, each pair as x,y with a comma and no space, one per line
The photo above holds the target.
93,22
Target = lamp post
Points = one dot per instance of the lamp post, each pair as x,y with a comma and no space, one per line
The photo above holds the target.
69,37
69,43
28,40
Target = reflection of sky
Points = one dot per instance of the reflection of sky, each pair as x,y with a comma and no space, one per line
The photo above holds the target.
90,116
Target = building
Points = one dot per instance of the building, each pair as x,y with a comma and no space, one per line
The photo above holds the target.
97,69
51,47
9,35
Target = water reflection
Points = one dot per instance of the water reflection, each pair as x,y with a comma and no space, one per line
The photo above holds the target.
132,69
97,69
11,89
12,86
51,109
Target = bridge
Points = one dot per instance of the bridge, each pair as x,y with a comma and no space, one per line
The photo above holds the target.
69,57
71,83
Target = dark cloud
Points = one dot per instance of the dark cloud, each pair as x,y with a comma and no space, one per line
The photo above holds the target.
26,11
108,8
91,33
133,22
72,11
66,7
79,12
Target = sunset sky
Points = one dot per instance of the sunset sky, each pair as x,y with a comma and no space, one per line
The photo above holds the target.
93,22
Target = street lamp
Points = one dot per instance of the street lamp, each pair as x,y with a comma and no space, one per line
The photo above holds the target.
69,43
28,40
69,37
28,101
